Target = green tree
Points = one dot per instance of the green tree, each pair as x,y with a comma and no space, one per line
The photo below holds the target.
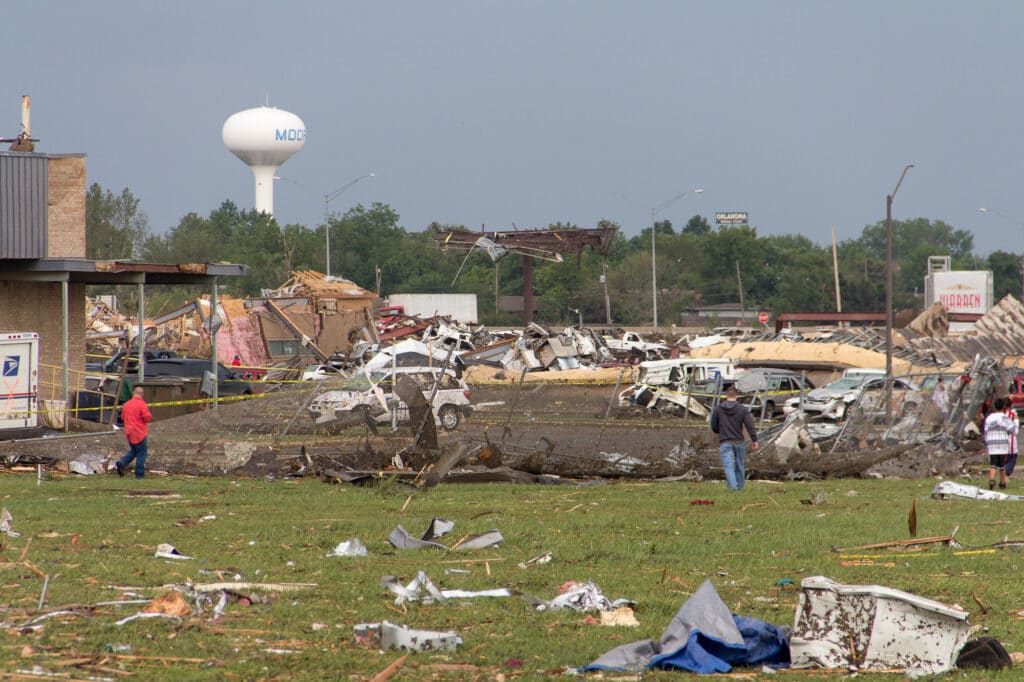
365,239
1006,276
115,226
861,277
913,241
796,275
698,226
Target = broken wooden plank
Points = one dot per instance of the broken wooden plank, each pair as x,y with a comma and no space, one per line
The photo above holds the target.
899,544
387,672
258,587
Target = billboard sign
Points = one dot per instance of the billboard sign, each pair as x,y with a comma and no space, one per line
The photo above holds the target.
731,218
963,291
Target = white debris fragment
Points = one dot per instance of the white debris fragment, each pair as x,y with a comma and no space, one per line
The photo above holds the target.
351,547
168,551
387,635
585,596
5,524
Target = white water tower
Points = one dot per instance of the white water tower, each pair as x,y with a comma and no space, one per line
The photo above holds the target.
264,138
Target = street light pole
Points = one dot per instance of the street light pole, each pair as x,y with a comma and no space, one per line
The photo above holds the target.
328,198
888,295
655,210
1020,224
654,263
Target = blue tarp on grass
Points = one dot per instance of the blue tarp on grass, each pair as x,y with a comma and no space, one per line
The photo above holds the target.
703,637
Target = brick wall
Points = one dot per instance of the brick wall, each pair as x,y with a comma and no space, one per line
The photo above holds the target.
66,210
39,311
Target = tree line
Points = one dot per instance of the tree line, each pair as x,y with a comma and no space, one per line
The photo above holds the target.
697,264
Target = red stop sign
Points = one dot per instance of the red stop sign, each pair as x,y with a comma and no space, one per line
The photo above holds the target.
762,317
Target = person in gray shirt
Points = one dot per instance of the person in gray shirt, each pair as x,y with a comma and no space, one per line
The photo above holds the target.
728,421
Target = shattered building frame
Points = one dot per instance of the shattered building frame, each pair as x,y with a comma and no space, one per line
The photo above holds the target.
530,244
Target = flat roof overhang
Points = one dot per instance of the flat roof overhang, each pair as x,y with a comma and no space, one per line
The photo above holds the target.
84,271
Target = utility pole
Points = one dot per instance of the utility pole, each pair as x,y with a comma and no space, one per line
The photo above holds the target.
739,283
835,272
607,302
888,296
655,210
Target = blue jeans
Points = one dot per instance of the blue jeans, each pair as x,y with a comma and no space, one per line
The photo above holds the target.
732,461
138,453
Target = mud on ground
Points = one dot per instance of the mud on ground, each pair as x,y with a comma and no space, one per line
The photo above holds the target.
555,425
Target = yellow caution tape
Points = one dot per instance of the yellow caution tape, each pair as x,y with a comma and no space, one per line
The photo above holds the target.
171,403
887,556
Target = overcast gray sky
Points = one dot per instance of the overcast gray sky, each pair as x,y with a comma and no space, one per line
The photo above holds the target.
802,113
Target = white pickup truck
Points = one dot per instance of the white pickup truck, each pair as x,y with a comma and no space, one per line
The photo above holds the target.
632,343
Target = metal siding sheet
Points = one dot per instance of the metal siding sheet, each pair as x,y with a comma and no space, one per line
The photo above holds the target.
23,206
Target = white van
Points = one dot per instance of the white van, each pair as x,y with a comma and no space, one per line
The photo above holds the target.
683,372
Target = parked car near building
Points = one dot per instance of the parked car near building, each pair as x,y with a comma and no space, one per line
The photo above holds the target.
373,394
113,364
770,386
229,383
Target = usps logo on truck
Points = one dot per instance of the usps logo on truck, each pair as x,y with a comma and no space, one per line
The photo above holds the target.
11,365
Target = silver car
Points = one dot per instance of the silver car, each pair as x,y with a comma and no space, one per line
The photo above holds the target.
833,400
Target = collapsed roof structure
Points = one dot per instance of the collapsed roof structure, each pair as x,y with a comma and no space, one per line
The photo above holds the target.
922,345
327,315
545,244
996,334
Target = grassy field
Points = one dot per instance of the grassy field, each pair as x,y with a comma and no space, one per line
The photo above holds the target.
96,542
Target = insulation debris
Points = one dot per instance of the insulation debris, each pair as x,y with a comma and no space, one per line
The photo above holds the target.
583,596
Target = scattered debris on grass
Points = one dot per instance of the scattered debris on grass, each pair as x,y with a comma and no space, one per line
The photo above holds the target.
402,539
351,547
171,603
143,615
88,464
703,637
5,524
583,596
816,499
246,586
168,551
537,560
904,544
986,653
189,521
423,590
971,492
620,617
491,538
437,528
386,635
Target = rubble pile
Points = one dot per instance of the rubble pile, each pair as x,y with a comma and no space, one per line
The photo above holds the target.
678,381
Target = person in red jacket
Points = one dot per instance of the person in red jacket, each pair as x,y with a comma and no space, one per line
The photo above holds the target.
136,417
